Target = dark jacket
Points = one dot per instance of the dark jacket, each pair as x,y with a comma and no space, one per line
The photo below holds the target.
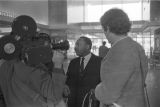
81,85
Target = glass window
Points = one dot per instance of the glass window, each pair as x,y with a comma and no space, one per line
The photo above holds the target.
92,10
139,40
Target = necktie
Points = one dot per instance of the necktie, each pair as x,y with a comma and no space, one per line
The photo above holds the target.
82,65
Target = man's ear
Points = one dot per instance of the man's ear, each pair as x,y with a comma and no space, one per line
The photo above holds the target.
88,47
107,31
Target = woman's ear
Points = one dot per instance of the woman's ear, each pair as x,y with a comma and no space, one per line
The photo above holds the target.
107,31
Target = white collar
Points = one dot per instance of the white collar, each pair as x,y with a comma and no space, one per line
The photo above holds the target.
87,57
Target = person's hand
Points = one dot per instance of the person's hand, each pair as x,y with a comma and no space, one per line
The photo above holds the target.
42,100
58,59
66,91
52,100
92,92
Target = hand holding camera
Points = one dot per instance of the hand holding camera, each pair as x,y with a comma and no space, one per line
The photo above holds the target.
58,58
92,92
66,91
26,44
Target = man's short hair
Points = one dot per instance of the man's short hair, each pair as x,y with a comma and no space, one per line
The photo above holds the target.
117,21
87,41
104,42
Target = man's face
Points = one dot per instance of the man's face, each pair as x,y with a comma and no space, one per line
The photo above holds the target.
81,47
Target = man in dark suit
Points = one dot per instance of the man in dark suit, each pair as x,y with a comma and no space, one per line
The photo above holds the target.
83,74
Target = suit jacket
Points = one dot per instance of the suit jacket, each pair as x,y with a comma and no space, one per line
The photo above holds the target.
121,75
81,85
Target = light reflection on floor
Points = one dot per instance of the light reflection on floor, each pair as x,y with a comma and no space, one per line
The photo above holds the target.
153,86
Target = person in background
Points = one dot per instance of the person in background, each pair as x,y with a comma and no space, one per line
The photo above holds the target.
124,69
83,74
103,50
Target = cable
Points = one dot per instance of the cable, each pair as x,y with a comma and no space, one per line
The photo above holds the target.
90,99
85,97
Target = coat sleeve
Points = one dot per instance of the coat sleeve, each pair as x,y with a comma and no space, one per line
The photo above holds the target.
115,72
70,75
58,79
52,86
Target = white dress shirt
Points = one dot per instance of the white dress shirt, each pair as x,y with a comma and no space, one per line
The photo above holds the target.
86,59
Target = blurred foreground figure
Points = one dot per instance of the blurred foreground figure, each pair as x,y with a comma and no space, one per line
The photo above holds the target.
32,73
25,86
124,69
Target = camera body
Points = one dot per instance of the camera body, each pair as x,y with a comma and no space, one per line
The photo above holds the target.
25,43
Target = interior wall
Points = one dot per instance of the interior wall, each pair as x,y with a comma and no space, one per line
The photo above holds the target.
154,10
38,9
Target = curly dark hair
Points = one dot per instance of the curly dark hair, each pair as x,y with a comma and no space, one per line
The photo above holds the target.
117,21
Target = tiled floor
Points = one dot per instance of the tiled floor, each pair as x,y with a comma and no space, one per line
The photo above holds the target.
153,86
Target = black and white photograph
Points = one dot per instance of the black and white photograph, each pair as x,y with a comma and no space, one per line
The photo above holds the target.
79,53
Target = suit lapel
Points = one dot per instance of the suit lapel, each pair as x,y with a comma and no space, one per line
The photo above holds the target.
89,64
78,64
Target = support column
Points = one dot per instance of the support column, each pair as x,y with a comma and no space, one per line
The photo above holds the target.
57,12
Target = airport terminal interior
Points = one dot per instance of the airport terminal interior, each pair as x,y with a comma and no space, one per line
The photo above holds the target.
71,19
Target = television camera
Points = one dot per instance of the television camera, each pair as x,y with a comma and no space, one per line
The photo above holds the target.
25,43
